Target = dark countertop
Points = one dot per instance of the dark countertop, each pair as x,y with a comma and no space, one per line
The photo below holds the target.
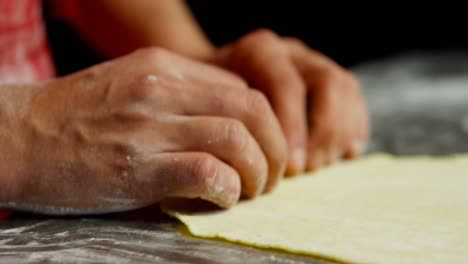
418,104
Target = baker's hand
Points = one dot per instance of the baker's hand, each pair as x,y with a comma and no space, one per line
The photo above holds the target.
151,125
318,103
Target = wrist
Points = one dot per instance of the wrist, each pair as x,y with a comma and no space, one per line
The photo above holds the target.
14,103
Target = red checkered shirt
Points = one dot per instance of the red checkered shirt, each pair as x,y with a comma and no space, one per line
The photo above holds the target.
24,52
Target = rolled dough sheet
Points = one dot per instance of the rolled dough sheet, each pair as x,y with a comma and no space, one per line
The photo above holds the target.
379,209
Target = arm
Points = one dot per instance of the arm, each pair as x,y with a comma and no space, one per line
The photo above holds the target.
126,134
116,27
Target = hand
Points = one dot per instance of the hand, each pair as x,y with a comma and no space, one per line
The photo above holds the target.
318,103
145,127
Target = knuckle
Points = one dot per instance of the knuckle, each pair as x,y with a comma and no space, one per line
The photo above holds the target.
203,167
294,41
352,81
330,76
256,40
154,53
235,135
257,104
350,77
238,81
282,154
264,34
149,54
250,50
132,119
297,87
330,86
335,77
141,91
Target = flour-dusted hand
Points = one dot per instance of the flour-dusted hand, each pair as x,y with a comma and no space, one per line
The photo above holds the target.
151,125
319,104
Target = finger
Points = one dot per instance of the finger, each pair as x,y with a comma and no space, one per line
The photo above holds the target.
325,141
334,95
300,54
190,71
322,127
334,154
356,145
315,158
252,109
249,106
332,136
355,149
320,149
194,175
265,62
320,156
360,132
227,139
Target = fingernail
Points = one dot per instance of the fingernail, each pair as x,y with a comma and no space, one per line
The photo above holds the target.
297,160
223,189
357,147
334,155
317,159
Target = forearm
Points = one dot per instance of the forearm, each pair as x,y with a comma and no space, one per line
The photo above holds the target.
116,27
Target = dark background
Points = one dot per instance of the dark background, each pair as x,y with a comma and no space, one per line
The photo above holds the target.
348,33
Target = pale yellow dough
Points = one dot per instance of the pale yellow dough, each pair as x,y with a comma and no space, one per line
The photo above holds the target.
378,209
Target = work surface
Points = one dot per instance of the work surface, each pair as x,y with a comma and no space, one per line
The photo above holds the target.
418,104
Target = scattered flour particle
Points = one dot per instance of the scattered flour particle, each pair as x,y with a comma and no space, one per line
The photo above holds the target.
151,78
